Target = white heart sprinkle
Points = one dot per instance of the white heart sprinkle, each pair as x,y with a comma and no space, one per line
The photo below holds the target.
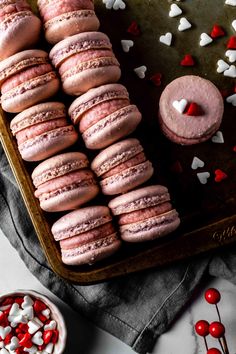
218,138
27,302
231,72
126,45
197,163
49,348
1,344
222,66
34,325
15,310
4,331
203,177
37,338
184,24
28,312
14,344
17,319
232,99
166,38
231,54
46,313
115,4
175,10
32,350
180,105
51,325
4,351
205,39
234,25
140,71
230,2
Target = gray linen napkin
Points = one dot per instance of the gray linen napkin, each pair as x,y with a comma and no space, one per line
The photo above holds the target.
136,308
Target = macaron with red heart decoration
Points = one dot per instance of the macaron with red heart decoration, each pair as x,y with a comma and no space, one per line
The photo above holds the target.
193,109
217,329
187,60
220,175
217,31
134,29
232,43
212,296
202,328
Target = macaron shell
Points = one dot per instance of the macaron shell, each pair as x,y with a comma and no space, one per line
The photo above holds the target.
15,34
127,179
112,128
48,143
150,229
69,24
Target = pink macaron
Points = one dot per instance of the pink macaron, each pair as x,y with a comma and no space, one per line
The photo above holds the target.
190,110
26,78
19,27
145,214
122,167
84,61
64,18
64,182
104,115
86,235
42,131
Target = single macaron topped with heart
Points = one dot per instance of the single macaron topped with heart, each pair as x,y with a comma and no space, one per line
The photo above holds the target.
122,167
19,27
190,110
145,214
43,130
64,182
26,78
86,235
64,18
104,115
84,61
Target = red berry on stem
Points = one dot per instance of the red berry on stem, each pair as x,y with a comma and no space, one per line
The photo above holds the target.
202,328
212,296
217,329
213,351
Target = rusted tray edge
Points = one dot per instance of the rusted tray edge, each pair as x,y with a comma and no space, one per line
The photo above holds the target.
221,233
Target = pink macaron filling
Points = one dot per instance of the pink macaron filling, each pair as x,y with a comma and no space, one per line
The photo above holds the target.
136,160
40,128
100,111
10,9
143,214
24,76
57,8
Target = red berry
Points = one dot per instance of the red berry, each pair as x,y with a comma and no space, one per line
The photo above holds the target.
202,328
213,351
212,296
217,329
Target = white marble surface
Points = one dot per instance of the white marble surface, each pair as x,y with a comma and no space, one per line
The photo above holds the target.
85,338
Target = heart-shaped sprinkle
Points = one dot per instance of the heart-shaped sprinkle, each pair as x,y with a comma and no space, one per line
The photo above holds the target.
218,138
156,79
134,29
115,4
220,175
55,336
231,54
140,71
234,24
222,66
175,10
46,313
47,335
39,306
4,351
14,343
50,326
230,2
28,312
234,148
231,43
231,72
49,348
176,167
205,39
37,338
180,105
232,99
15,310
194,110
197,163
1,344
187,60
4,331
2,317
126,45
184,24
217,31
17,319
32,350
34,325
27,302
203,177
166,38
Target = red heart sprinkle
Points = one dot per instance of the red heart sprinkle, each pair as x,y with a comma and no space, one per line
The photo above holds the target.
55,336
41,347
8,301
7,311
39,306
26,341
8,338
3,317
47,335
20,335
19,300
134,29
177,167
232,43
156,79
220,175
193,109
187,60
217,31
23,327
225,93
234,148
42,317
19,350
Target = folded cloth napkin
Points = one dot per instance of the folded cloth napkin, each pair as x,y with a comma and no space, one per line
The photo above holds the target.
137,308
